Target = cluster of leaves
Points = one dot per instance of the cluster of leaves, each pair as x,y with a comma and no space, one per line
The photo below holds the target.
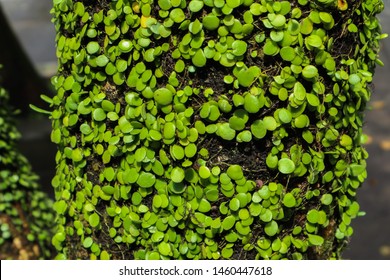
26,214
155,100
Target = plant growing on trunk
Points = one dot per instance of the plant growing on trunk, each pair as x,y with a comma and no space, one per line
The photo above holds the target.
26,214
210,129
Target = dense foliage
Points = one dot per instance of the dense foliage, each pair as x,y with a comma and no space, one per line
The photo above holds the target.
26,214
210,129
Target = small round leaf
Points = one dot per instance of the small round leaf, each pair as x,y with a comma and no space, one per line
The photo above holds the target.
286,166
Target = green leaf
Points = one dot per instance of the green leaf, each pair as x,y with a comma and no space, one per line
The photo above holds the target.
179,66
241,229
56,136
225,132
199,59
87,242
315,240
228,222
258,129
353,209
238,100
212,195
266,216
326,17
89,207
309,71
354,79
301,121
165,4
204,172
99,114
109,173
287,53
289,200
234,204
104,255
235,172
146,179
313,100
237,123
164,249
155,135
94,220
278,20
195,27
125,45
306,26
357,169
346,140
299,91
330,64
210,22
204,206
190,150
157,236
239,47
272,161
60,206
102,60
313,216
246,77
177,152
195,5
121,65
270,123
244,214
163,96
308,136
286,166
177,175
314,41
169,130
277,36
130,176
93,47
270,48
285,115
108,106
244,136
233,3
243,199
227,252
77,155
153,256
271,228
256,9
39,110
252,103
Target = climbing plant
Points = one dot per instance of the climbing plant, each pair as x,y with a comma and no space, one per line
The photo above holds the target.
214,129
26,213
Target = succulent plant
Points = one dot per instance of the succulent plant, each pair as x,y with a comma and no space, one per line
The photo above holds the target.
210,129
26,213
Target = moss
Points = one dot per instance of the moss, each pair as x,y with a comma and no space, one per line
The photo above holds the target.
210,130
26,214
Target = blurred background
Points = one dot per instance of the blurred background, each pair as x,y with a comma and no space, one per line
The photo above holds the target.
31,22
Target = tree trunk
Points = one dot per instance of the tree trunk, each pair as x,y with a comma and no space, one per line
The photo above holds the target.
26,214
210,129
